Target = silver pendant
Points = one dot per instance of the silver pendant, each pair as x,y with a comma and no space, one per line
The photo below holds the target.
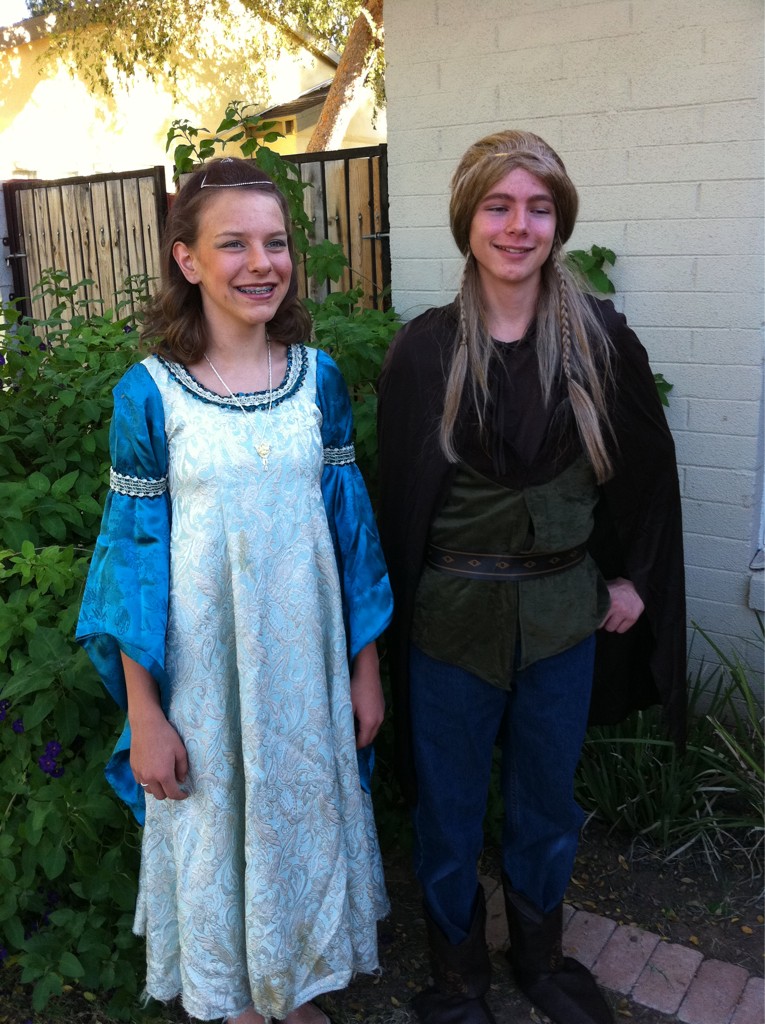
264,450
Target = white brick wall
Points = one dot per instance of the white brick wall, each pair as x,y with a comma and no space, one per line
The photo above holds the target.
656,108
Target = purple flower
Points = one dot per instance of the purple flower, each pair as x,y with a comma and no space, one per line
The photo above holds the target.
3,953
48,764
2,359
18,726
4,705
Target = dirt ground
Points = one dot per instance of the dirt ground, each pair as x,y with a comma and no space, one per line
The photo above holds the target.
717,911
715,907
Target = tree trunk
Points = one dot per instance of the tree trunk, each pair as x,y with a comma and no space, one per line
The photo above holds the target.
364,38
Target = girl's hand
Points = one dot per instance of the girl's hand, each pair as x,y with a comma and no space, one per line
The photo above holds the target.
158,756
626,606
366,695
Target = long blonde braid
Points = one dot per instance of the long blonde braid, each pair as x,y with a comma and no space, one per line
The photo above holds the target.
588,403
470,360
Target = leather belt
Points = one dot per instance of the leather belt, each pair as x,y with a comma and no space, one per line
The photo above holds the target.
503,568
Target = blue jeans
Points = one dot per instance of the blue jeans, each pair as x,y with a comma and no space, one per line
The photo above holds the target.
539,726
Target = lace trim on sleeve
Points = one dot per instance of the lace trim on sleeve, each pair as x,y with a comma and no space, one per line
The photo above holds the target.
340,456
136,486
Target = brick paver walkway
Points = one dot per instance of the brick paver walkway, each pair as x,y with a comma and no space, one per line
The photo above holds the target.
664,976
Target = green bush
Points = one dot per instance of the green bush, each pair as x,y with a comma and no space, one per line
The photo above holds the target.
708,796
357,339
68,848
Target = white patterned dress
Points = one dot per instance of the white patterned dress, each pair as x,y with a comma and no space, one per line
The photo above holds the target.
264,886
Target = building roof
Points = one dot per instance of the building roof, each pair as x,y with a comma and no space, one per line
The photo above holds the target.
312,97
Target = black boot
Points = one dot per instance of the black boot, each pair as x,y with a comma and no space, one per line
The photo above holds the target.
461,975
558,985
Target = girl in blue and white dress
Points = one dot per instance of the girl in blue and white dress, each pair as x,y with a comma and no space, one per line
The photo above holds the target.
236,578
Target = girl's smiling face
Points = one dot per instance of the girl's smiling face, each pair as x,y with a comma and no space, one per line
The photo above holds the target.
513,231
240,259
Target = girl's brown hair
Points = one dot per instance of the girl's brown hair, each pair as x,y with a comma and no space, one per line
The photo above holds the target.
569,334
174,323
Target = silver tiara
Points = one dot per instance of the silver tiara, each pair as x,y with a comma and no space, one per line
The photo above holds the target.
231,184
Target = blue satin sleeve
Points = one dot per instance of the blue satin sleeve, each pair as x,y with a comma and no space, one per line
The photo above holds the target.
367,597
124,607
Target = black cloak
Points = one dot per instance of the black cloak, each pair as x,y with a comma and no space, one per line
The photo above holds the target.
637,533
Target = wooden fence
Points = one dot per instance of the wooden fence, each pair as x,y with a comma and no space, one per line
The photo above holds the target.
107,228
104,228
348,204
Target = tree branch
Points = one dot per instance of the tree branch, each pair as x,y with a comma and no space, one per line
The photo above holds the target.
365,38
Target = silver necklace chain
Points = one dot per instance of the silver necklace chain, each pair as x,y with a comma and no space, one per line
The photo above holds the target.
262,447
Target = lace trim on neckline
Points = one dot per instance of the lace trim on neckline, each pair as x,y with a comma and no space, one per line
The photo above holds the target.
297,366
